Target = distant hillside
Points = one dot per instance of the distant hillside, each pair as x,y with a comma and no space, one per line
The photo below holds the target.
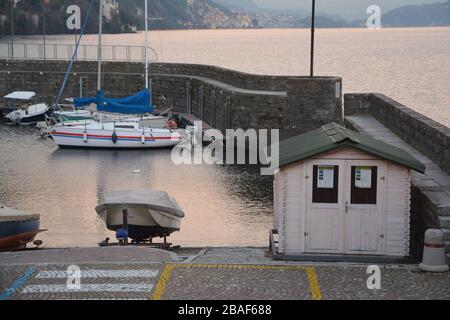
322,22
239,5
437,14
128,16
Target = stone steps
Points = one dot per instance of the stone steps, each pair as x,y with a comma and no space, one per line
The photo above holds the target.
446,234
444,222
447,243
443,211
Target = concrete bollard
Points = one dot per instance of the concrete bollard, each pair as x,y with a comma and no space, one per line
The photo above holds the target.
434,259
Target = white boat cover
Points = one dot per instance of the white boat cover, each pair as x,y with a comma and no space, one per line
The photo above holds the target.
21,95
156,200
8,214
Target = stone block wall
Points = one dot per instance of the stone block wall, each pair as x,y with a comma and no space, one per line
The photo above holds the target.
424,134
223,98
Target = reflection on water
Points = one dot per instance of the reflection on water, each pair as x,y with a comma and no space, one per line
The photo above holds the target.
224,205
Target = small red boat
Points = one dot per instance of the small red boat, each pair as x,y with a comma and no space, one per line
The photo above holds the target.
17,228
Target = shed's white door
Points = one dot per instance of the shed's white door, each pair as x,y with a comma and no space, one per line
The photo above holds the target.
344,206
364,202
325,206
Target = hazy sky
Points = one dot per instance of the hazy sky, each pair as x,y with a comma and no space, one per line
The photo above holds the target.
344,8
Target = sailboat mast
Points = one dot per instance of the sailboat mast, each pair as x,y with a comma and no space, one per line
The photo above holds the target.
146,44
100,55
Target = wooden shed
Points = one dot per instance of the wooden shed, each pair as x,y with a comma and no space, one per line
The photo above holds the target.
342,194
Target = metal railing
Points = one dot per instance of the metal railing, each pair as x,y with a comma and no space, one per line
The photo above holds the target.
53,51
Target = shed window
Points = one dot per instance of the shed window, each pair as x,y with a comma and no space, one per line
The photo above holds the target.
364,185
326,184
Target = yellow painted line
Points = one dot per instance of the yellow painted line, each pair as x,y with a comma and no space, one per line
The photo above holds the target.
237,266
160,287
316,294
166,274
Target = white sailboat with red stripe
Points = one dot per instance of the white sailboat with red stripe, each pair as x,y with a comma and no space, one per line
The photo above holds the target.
120,135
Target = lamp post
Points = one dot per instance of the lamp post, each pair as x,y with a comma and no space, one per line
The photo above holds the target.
12,28
99,52
44,3
147,67
313,17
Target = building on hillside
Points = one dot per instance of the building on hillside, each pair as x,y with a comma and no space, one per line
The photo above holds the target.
110,8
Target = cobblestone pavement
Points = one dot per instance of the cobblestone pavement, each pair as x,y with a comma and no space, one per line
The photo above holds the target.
202,274
190,281
88,255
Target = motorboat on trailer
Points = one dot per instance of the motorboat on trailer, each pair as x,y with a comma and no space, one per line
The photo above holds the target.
17,228
143,214
120,135
28,113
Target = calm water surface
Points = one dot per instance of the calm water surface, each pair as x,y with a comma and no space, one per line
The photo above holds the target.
224,205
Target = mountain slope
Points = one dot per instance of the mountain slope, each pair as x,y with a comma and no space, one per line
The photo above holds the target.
175,14
239,5
437,14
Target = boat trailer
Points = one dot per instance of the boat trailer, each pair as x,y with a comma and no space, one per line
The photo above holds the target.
148,243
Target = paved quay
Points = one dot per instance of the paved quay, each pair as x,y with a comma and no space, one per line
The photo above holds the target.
201,274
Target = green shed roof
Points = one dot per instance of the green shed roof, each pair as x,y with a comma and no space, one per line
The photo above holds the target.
334,136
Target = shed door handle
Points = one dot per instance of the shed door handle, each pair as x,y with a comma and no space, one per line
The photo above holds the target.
347,206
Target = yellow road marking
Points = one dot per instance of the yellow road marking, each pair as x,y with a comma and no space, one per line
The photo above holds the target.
160,287
166,274
314,284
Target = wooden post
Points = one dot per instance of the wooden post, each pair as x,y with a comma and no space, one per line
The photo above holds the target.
125,222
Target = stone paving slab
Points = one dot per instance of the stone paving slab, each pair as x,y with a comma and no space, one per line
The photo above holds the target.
244,282
205,274
87,255
98,282
236,282
168,281
397,283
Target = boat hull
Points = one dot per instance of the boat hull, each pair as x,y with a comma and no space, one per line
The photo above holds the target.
143,222
18,241
73,115
76,138
15,235
27,120
31,116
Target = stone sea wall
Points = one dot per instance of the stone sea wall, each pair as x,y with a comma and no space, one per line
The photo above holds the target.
424,134
223,98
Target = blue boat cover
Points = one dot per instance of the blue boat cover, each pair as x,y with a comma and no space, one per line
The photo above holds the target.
140,103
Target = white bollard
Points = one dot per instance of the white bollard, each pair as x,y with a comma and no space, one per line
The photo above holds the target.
434,259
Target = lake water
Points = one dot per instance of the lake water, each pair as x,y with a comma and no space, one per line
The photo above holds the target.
224,205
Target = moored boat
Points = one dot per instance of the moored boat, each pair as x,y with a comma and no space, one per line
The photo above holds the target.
117,135
17,228
145,214
27,113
